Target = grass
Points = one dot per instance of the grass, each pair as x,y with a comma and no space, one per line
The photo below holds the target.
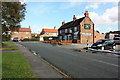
15,65
6,44
9,49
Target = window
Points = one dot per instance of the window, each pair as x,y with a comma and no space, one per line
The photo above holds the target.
15,32
70,30
65,30
60,31
54,34
75,28
47,33
27,32
95,36
75,36
60,37
86,26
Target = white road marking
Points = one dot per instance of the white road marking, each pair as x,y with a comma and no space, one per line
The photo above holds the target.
105,62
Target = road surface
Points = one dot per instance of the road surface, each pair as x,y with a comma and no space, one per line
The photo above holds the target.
77,64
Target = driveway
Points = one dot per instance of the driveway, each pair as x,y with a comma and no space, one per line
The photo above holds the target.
77,64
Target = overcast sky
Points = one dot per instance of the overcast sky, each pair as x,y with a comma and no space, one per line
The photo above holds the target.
49,14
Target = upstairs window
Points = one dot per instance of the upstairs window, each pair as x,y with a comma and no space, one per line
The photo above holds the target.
75,28
27,32
60,31
86,26
54,34
70,30
95,36
65,30
47,33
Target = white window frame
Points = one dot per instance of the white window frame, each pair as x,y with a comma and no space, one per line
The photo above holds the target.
54,34
27,32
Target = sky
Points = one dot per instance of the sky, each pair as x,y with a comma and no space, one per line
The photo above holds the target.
49,14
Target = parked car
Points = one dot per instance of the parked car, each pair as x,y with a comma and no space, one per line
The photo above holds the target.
104,44
117,40
16,39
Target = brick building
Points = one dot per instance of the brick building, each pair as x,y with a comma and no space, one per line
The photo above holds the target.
112,34
48,33
98,36
79,29
22,33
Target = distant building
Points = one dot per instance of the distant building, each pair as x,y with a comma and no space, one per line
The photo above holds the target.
35,35
48,33
98,36
79,29
112,34
22,33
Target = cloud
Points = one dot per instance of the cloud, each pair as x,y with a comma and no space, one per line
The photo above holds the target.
94,6
40,29
109,17
35,26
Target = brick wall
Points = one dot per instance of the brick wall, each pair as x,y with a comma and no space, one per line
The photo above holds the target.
98,36
20,35
86,34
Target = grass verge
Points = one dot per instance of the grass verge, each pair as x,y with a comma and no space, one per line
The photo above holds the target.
15,65
6,44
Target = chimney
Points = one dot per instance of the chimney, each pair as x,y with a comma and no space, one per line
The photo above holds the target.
63,22
54,27
74,18
86,14
29,26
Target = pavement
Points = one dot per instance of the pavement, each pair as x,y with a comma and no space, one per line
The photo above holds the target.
73,63
76,46
40,68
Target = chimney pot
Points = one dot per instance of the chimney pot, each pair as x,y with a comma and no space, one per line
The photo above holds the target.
29,26
74,18
63,22
54,27
86,14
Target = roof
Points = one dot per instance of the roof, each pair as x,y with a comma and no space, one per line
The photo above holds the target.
24,30
72,23
50,30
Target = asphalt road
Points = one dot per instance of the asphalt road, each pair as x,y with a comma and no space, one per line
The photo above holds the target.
77,64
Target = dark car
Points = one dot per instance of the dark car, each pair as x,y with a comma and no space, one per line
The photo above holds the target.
104,44
16,39
117,40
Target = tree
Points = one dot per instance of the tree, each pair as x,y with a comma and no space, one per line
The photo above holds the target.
12,14
97,31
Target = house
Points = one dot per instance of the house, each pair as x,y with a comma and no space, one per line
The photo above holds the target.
98,36
34,35
79,29
112,34
22,33
48,33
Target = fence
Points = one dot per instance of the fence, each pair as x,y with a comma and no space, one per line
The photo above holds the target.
62,42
